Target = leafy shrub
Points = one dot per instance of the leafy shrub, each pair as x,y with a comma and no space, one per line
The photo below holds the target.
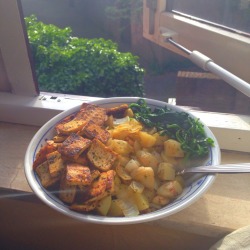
81,66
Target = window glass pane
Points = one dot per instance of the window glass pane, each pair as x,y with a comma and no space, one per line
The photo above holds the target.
79,49
234,14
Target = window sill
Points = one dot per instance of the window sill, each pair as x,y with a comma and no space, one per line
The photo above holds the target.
231,131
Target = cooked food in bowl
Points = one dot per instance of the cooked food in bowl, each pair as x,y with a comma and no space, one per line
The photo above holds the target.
120,161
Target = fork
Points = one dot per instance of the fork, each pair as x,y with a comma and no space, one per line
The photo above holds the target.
222,168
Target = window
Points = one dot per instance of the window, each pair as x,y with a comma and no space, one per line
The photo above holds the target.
21,102
229,14
228,49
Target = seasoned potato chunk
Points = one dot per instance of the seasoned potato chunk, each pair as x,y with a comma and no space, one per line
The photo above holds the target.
145,175
146,140
120,147
166,171
173,148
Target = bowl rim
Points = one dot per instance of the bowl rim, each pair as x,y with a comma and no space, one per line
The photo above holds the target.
98,219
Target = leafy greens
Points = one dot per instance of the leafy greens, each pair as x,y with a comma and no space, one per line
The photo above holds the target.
176,125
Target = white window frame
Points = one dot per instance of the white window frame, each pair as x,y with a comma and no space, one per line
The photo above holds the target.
24,104
229,50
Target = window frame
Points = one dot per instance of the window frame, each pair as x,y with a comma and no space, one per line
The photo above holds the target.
228,49
25,105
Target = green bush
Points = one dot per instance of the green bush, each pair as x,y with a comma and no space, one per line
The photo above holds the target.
72,65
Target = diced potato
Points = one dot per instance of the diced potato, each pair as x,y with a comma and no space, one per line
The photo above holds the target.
114,209
145,175
121,147
132,165
165,171
123,160
121,172
160,139
149,194
168,159
141,201
160,200
146,140
122,191
170,189
129,112
137,146
180,180
104,205
173,148
147,159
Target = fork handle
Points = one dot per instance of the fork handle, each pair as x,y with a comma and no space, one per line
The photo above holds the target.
223,168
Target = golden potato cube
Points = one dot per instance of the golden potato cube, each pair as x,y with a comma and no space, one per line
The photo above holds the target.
104,205
144,175
121,147
146,140
165,171
121,172
150,194
160,200
141,201
170,189
114,209
160,139
147,159
173,148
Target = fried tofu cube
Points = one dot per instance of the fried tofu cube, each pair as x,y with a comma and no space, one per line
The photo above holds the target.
72,126
92,130
67,192
77,174
118,111
44,175
74,146
94,113
41,155
110,183
101,156
55,162
85,207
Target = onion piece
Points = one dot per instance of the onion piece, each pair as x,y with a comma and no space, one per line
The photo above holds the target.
136,186
128,208
118,121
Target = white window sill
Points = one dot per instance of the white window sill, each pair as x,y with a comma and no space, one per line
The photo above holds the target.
232,131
